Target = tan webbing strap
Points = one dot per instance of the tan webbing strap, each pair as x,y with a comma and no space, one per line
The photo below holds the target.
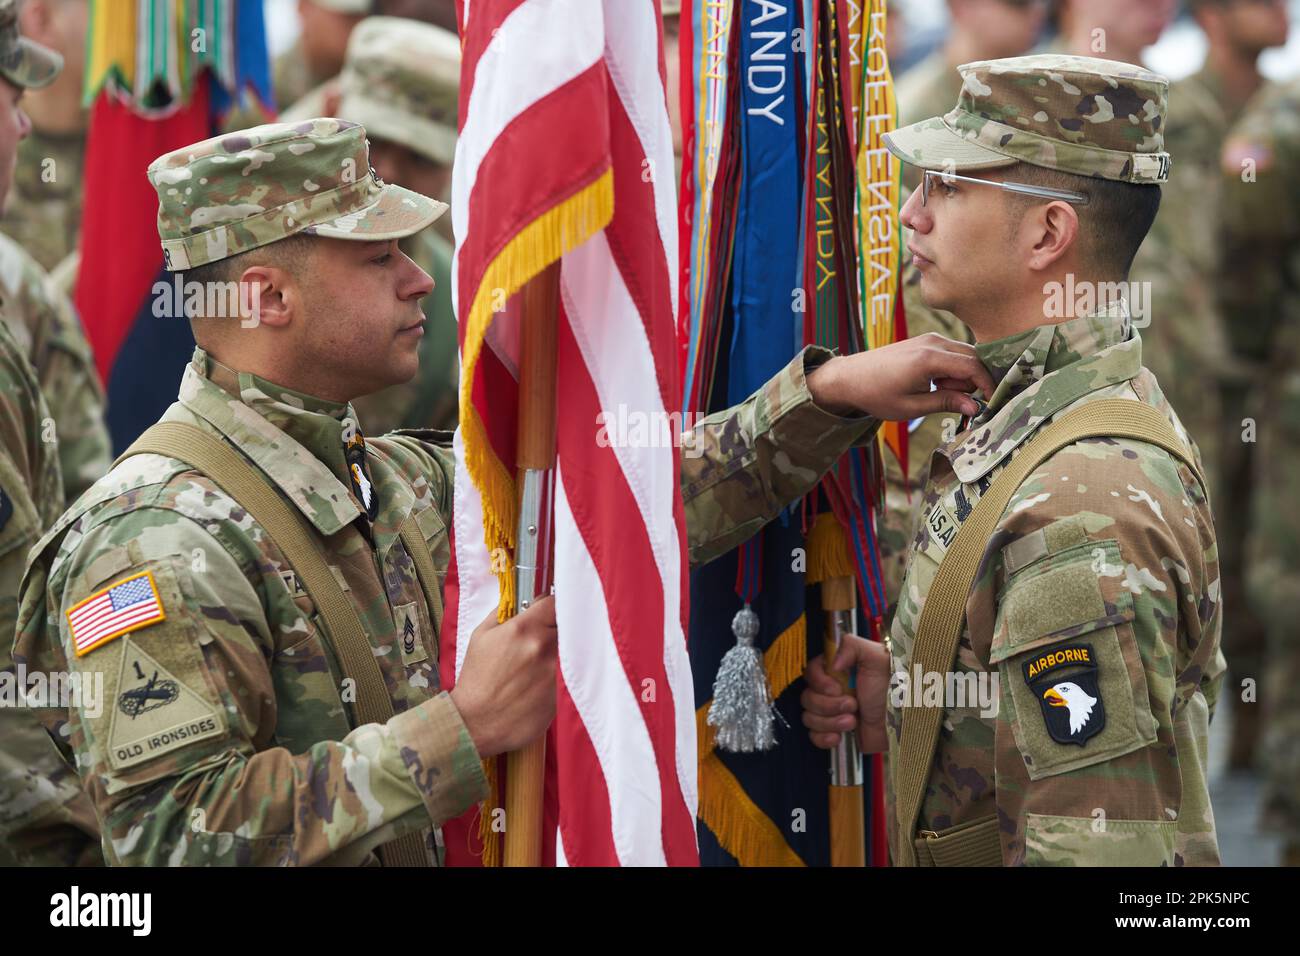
231,472
974,844
418,549
944,612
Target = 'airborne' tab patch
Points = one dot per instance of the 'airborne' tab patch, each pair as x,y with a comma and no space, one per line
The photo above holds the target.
1064,679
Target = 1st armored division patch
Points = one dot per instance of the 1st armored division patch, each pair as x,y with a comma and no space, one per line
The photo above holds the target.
1064,679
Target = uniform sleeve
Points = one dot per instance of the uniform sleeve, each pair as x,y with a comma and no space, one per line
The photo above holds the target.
45,819
741,466
175,737
71,386
1106,644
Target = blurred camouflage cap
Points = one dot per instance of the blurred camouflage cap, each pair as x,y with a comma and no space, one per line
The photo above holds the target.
1075,114
243,190
671,8
24,62
401,80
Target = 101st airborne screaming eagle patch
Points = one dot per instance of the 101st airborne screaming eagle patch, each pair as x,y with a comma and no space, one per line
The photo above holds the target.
1064,679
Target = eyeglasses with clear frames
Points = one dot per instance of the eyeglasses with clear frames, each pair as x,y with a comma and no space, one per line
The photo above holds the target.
1045,192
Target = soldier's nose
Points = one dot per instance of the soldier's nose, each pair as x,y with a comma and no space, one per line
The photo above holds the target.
913,213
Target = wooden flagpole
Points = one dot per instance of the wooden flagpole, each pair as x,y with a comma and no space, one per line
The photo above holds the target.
535,461
848,835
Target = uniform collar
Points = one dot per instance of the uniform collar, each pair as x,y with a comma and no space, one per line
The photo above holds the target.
1039,372
295,439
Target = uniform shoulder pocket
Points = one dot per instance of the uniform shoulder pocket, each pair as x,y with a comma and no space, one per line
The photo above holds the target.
1070,673
132,637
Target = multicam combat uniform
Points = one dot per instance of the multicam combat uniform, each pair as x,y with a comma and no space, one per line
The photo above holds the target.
44,817
1261,220
228,735
1098,590
47,328
44,210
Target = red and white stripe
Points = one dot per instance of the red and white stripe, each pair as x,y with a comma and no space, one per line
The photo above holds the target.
549,87
95,620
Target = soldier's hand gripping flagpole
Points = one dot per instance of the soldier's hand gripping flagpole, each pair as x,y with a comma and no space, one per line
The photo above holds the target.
525,769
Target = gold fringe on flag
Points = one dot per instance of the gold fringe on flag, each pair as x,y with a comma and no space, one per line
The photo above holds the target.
741,828
543,241
488,837
828,551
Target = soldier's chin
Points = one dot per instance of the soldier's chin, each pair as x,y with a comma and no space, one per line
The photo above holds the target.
404,366
932,293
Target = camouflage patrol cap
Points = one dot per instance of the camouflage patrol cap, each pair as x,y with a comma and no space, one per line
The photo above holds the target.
401,80
1075,114
243,190
24,62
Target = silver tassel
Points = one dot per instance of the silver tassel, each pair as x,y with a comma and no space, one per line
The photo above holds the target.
742,710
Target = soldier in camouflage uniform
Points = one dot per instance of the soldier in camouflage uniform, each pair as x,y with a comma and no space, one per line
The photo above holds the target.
1261,295
46,326
44,211
1107,546
44,817
311,68
259,757
1182,257
400,82
40,317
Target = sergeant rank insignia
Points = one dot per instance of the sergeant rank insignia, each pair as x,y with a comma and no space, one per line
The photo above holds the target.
1064,679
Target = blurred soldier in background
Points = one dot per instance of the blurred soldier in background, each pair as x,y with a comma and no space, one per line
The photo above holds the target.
44,817
1111,29
42,321
1184,342
1202,108
400,82
300,74
1261,295
44,212
977,30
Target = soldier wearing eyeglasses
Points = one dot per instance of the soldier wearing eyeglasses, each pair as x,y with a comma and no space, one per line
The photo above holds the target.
1094,616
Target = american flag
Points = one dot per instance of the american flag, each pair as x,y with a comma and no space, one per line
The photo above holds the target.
565,151
125,606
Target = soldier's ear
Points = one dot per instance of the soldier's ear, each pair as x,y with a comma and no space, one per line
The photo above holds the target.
1055,235
269,296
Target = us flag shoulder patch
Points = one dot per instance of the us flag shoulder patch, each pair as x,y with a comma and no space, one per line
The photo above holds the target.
124,606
